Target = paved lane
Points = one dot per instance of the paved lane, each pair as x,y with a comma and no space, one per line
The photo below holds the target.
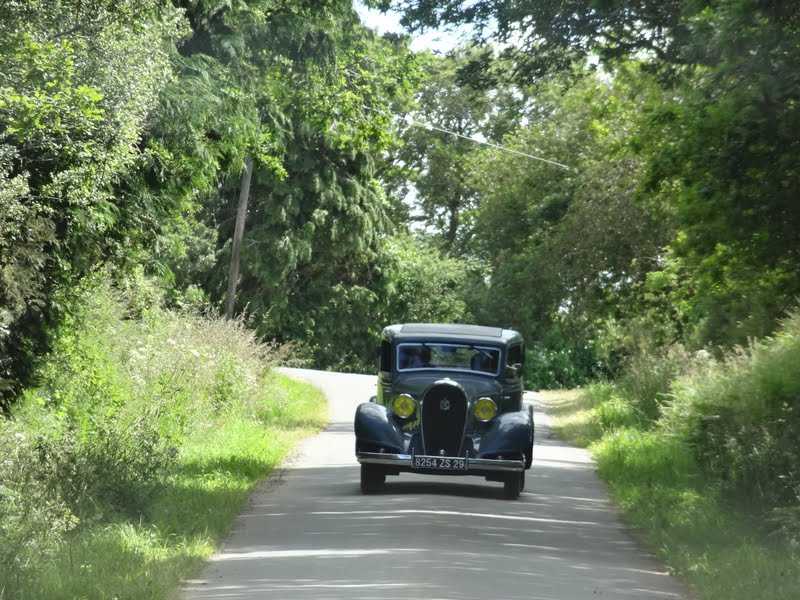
309,533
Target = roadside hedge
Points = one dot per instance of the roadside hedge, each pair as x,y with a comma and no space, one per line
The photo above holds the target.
135,450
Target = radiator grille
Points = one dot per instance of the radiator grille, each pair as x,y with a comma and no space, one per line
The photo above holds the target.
443,418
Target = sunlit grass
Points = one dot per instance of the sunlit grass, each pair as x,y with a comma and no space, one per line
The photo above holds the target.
127,463
572,418
653,476
720,552
217,469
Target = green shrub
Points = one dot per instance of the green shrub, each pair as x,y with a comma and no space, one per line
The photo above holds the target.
33,516
612,408
597,393
703,456
615,413
742,416
646,379
111,467
784,522
682,509
647,457
547,367
120,398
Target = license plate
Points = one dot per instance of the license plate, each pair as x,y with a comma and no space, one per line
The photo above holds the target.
443,463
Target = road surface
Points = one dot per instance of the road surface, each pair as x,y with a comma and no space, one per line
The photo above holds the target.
309,533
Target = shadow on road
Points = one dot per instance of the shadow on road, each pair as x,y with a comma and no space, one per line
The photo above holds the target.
312,534
421,534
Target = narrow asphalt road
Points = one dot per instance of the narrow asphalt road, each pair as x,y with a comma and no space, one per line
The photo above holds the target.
309,533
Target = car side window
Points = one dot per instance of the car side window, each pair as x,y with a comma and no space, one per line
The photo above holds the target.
386,356
515,355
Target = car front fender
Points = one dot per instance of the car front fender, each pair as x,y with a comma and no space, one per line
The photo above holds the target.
375,426
510,433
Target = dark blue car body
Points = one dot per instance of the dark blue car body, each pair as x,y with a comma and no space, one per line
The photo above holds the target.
449,402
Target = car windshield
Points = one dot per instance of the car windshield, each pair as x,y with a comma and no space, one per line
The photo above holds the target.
464,357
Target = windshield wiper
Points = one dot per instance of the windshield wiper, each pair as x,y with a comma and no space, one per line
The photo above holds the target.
482,351
432,349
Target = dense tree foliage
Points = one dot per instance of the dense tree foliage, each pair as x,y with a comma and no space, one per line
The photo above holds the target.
314,230
617,179
125,127
568,250
677,221
433,161
452,115
78,84
727,172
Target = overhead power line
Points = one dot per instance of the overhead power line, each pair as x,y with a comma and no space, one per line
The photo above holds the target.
411,121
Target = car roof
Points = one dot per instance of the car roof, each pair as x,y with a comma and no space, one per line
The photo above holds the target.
450,332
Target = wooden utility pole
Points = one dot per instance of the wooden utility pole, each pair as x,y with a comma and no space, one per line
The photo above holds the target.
238,233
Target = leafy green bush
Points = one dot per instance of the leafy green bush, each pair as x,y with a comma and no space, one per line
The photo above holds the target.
112,466
712,475
646,379
597,393
612,408
632,454
636,398
124,391
547,367
743,419
689,441
617,412
681,509
738,417
33,516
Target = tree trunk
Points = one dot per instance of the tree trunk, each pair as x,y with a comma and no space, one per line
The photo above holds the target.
238,233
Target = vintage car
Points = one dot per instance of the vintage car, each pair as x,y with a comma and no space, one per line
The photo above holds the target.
449,402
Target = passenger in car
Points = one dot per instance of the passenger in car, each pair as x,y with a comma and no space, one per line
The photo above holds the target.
422,358
482,362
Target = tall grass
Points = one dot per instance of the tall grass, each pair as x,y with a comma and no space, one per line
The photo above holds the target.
703,456
129,461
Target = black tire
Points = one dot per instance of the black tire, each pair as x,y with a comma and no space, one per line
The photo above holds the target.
372,479
522,485
512,486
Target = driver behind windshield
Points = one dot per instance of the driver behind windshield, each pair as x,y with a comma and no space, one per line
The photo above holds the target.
415,357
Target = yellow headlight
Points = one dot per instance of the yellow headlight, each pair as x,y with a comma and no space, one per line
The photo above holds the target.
404,406
484,409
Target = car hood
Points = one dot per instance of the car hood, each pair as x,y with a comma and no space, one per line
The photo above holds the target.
416,383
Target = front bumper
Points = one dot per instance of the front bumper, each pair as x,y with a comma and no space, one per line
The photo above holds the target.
474,466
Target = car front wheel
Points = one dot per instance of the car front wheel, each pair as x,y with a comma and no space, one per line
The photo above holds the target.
372,479
513,485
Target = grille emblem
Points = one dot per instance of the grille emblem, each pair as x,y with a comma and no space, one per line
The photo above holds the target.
444,404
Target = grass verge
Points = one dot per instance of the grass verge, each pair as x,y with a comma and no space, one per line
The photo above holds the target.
571,413
214,474
126,466
720,551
